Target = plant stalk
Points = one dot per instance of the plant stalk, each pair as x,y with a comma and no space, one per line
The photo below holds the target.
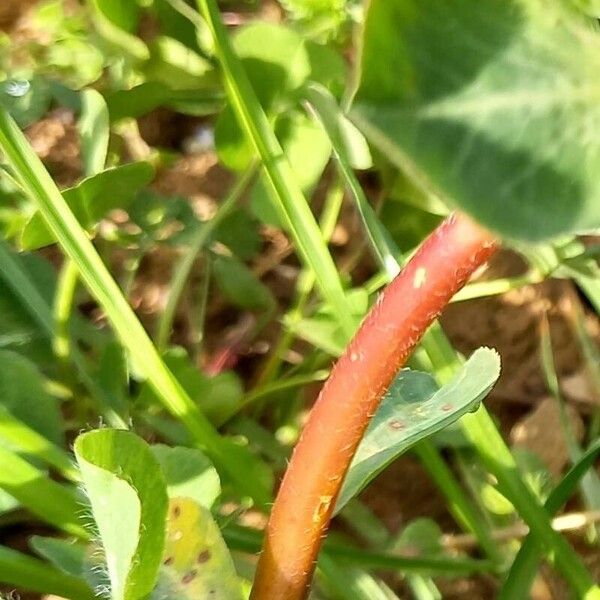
306,498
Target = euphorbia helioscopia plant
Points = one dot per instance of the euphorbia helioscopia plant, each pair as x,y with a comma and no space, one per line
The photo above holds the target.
308,492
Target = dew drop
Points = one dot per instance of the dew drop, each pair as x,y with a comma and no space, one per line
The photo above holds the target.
17,88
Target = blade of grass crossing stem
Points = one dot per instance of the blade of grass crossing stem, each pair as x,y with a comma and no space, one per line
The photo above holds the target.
484,435
246,539
287,196
27,573
184,266
524,567
34,178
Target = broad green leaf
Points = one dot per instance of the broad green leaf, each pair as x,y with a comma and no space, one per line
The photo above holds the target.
179,25
94,131
493,105
239,232
196,562
323,331
327,67
22,393
50,501
136,101
275,59
188,474
92,199
414,408
289,200
239,285
127,493
175,65
147,96
306,9
421,536
277,70
123,14
115,21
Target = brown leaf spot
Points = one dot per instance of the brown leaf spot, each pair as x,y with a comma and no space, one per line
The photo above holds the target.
189,576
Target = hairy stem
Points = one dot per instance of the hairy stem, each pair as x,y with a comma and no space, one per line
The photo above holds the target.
307,495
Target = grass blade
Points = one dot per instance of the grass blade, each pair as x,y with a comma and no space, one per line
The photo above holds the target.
27,573
289,200
524,567
50,501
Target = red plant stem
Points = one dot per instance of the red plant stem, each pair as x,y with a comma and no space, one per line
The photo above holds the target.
350,397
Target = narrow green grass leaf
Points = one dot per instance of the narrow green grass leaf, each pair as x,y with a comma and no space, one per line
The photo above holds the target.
50,501
289,201
324,106
252,477
524,567
23,394
414,408
27,573
65,555
590,483
246,539
127,492
23,439
351,583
